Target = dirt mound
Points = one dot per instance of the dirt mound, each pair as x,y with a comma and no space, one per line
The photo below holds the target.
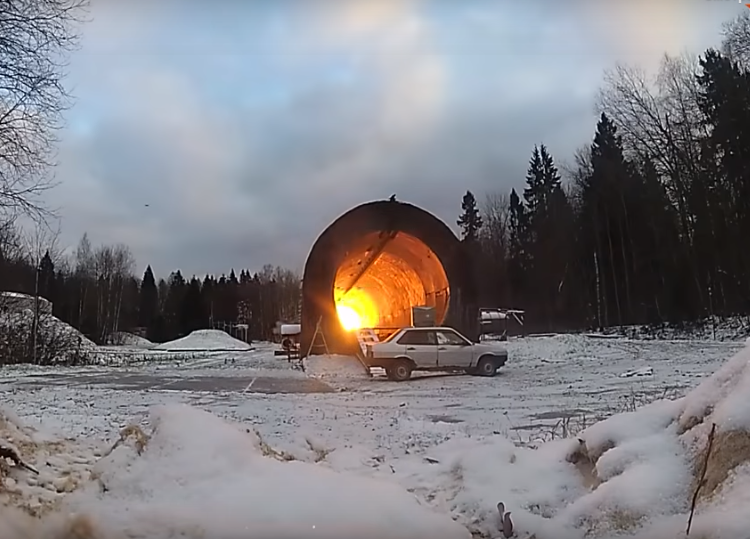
729,450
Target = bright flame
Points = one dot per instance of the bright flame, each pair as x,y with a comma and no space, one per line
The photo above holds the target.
356,310
349,318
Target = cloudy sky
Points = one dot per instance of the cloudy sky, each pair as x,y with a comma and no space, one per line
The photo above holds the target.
247,127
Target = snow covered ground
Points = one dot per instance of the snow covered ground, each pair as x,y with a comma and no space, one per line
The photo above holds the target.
451,441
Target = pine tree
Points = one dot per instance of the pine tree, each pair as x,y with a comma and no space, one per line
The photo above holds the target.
542,262
542,179
725,102
608,203
208,289
533,193
193,310
47,277
517,249
148,303
175,294
470,220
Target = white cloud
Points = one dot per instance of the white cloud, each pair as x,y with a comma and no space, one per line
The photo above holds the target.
230,182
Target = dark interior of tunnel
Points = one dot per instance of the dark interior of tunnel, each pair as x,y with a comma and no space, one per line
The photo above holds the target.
372,265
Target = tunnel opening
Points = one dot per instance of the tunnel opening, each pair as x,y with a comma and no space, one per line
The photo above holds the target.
372,265
381,279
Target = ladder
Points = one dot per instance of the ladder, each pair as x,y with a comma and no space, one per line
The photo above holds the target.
366,337
314,340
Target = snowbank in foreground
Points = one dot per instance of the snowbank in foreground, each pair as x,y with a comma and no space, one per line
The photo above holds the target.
199,476
632,475
206,340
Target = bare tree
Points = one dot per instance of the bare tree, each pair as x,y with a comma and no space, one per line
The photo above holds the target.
28,332
39,241
494,239
11,254
11,243
84,272
124,267
43,238
660,119
36,38
113,265
289,286
736,43
495,210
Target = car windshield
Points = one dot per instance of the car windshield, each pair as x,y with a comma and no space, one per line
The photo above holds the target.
392,336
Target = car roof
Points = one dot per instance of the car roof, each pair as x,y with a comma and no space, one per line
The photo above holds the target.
433,328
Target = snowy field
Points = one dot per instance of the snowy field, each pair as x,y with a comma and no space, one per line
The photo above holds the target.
547,380
392,446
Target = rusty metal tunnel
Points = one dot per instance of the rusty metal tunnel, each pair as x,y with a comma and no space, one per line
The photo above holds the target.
372,265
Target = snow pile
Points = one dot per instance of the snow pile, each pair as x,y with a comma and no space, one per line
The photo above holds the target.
335,366
123,338
57,341
17,301
206,340
198,476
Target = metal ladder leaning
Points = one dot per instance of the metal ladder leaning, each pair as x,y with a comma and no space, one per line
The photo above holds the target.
366,337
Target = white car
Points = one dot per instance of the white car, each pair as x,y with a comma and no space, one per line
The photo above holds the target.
434,349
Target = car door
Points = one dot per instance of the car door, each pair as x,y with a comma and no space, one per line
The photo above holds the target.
453,349
421,346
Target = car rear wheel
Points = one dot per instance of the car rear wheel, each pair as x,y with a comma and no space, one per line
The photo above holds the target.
400,370
487,366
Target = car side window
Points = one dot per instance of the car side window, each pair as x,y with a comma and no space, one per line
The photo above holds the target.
417,338
449,338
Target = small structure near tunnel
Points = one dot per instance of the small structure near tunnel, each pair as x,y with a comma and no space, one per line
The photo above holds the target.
372,266
423,316
502,323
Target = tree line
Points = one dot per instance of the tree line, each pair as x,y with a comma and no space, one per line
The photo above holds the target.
646,225
97,291
649,223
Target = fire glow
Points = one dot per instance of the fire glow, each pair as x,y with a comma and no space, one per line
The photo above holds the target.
379,290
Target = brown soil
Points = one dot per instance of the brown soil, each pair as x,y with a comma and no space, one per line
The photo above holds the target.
586,465
729,450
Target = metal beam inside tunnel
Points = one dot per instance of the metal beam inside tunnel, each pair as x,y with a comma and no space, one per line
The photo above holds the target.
372,257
